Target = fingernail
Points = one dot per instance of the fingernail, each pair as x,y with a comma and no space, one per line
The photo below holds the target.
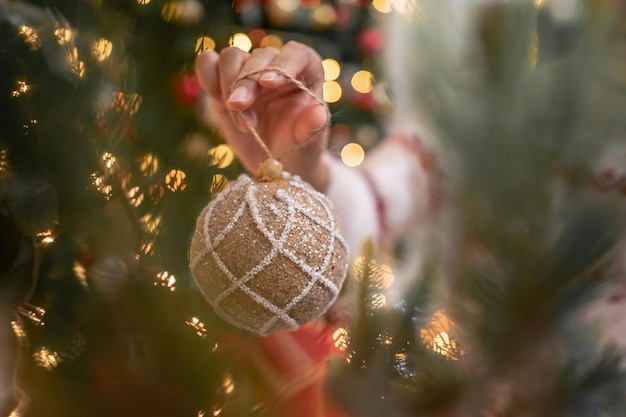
238,95
269,76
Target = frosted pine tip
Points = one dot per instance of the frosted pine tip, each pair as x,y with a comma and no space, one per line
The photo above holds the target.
270,169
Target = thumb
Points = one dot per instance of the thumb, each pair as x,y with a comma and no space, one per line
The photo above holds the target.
310,123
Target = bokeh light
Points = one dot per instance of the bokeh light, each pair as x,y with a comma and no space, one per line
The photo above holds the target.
171,10
310,4
324,15
286,5
332,91
271,41
382,6
352,154
148,164
205,43
222,155
362,81
332,69
101,49
241,41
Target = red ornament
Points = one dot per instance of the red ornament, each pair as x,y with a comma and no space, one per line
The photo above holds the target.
186,89
365,101
86,259
371,40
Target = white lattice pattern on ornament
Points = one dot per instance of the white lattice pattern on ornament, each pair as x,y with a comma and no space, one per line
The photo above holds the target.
316,275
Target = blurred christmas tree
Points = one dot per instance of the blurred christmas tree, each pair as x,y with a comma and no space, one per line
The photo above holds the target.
107,155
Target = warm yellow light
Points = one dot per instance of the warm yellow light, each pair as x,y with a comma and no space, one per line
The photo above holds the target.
387,277
129,102
108,160
171,10
362,81
222,155
151,223
332,69
539,3
340,338
271,41
198,326
135,196
352,154
332,91
46,237
324,15
30,36
228,385
77,65
22,88
287,5
241,41
63,35
80,273
148,164
205,43
101,49
310,4
437,336
143,1
175,180
218,183
46,358
165,279
382,6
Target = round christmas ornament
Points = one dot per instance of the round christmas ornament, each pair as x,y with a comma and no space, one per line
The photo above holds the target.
267,252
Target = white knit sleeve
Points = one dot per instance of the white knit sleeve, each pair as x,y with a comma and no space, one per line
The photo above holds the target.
387,196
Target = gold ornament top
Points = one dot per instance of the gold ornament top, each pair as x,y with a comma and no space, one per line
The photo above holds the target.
271,169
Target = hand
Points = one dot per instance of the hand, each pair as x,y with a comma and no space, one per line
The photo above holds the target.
282,114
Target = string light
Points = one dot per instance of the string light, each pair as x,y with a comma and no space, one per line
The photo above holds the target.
352,154
362,81
198,326
99,182
437,336
241,41
175,180
30,36
148,164
222,155
324,15
271,41
101,49
332,69
22,88
80,273
63,35
135,196
45,237
143,2
331,91
340,338
151,223
4,163
218,182
167,280
46,358
204,43
171,10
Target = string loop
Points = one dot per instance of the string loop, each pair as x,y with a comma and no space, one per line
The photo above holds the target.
302,87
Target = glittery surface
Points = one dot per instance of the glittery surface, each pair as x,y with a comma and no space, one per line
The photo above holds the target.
269,256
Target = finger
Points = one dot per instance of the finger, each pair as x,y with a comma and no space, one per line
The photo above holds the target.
207,72
310,123
299,60
231,62
246,89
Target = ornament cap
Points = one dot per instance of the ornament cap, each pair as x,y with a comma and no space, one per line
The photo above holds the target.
271,169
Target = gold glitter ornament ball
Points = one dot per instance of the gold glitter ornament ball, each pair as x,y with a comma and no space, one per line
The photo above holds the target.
268,254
